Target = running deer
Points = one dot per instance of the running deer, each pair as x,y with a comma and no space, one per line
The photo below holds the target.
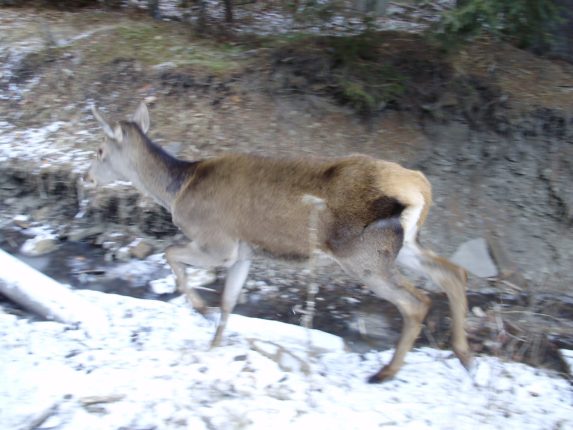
233,205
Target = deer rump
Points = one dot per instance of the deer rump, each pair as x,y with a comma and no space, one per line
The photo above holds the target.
259,200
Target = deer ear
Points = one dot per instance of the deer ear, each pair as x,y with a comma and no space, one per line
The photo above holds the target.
118,134
141,117
104,125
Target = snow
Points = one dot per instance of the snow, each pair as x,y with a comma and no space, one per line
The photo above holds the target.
347,18
196,278
153,368
53,144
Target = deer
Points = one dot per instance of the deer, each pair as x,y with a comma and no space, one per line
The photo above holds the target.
235,206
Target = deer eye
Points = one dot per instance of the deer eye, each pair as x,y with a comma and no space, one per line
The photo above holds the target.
99,153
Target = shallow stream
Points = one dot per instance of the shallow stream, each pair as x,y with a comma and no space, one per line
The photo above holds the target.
364,321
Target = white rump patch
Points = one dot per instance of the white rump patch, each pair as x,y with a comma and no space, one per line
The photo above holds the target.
409,219
409,256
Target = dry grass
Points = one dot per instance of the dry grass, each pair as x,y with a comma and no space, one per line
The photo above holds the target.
528,80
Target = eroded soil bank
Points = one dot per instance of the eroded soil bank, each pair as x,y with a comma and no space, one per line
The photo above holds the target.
491,126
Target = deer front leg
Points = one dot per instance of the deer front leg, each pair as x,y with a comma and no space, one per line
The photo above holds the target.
198,254
236,277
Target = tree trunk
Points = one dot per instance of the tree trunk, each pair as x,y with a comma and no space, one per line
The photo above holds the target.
228,11
153,7
47,298
202,18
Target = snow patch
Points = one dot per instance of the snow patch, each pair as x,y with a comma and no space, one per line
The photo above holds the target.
52,143
154,368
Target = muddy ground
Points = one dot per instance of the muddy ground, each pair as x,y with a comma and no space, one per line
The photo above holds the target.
491,126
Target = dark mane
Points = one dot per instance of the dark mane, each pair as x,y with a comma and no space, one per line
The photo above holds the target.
179,170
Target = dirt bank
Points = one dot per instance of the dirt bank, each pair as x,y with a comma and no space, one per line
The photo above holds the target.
491,126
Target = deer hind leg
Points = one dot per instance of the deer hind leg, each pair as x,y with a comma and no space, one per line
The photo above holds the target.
413,306
452,279
371,258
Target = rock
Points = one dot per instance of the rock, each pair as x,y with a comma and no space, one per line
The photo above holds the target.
42,213
197,277
149,100
508,270
107,238
123,254
140,249
39,245
22,221
165,66
473,256
78,234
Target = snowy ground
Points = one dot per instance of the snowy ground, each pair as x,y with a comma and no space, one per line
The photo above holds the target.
266,18
152,369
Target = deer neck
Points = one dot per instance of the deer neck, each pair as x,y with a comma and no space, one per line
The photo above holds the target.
157,173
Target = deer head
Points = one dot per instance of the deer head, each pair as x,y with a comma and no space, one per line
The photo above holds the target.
113,157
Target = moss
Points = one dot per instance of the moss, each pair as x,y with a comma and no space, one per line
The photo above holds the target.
367,94
355,94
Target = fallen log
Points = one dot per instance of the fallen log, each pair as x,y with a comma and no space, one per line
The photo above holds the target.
47,298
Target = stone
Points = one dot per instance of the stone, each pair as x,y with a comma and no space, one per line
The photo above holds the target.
123,254
42,213
197,277
39,245
165,66
140,249
22,221
78,234
474,256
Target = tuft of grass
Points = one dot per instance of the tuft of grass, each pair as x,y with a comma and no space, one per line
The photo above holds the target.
355,94
365,82
157,43
284,40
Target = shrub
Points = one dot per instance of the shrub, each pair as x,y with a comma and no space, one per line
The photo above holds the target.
525,22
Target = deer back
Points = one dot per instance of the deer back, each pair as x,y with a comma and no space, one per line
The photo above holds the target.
260,200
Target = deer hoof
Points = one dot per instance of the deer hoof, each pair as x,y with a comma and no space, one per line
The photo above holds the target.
466,358
216,342
203,310
382,376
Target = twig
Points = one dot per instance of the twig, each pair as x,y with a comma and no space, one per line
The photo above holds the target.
312,289
533,313
277,357
40,417
92,400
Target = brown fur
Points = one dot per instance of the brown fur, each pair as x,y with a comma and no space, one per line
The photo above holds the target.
265,197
